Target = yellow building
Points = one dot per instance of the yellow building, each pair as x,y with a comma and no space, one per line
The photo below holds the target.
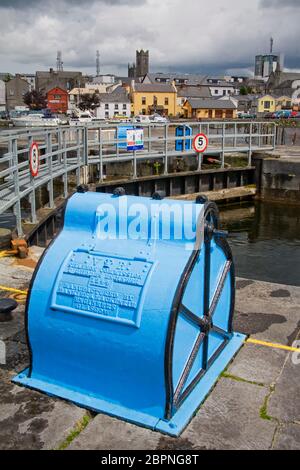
266,104
150,98
283,102
199,108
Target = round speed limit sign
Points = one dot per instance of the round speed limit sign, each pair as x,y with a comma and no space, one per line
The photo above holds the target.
34,159
200,143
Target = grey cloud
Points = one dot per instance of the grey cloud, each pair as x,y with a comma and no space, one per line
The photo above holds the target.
280,3
229,39
13,4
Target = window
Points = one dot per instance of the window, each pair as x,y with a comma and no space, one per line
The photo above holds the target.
124,113
166,101
224,92
267,104
106,114
143,111
143,101
219,113
106,106
216,92
57,97
124,106
116,106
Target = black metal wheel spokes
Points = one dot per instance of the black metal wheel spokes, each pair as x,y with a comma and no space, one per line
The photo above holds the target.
205,324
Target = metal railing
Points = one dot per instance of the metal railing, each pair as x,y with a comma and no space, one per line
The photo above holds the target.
66,153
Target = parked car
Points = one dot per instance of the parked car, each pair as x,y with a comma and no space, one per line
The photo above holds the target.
143,119
158,119
269,116
242,115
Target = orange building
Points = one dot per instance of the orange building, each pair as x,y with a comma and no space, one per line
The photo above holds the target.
57,100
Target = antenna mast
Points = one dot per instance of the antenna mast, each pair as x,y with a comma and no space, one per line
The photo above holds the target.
271,45
59,62
97,64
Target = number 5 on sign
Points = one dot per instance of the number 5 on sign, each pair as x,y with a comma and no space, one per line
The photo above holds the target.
200,143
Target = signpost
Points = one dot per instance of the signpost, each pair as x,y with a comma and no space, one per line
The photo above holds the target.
200,143
34,159
135,139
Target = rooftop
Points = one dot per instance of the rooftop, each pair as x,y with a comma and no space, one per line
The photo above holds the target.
154,87
199,103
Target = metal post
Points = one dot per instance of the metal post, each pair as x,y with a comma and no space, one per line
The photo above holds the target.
101,160
166,150
274,134
50,166
235,136
32,194
150,137
250,144
200,154
65,176
259,134
134,164
17,206
223,145
78,156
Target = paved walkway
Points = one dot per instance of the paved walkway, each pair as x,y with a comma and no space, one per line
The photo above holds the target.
255,404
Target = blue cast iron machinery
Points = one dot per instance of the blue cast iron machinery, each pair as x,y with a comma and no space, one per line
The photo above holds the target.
135,327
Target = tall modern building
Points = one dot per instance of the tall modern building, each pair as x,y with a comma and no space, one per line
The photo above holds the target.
266,64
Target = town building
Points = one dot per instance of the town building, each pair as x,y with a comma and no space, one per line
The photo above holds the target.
266,104
283,102
57,100
279,77
197,108
185,92
113,104
30,78
266,64
16,89
220,87
152,98
76,94
46,81
141,66
2,97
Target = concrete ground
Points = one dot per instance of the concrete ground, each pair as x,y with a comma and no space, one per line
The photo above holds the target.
254,405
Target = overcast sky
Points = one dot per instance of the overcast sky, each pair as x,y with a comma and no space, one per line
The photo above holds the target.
182,35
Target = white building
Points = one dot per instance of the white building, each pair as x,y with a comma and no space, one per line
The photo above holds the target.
2,96
219,87
30,79
114,104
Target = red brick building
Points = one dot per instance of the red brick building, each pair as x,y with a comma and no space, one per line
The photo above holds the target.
57,100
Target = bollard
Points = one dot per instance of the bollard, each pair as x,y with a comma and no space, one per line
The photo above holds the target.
130,309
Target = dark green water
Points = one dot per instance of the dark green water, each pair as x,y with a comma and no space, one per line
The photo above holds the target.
265,240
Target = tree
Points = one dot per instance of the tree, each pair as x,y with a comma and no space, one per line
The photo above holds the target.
245,90
89,102
35,100
7,78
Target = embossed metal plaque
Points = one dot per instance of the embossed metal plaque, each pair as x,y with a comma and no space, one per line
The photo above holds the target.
97,285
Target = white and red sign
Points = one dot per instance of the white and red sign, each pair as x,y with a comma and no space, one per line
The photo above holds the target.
200,143
34,159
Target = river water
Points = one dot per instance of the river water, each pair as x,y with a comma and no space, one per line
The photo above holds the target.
265,240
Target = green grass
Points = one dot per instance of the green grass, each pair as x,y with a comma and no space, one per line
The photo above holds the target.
263,412
240,379
79,427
